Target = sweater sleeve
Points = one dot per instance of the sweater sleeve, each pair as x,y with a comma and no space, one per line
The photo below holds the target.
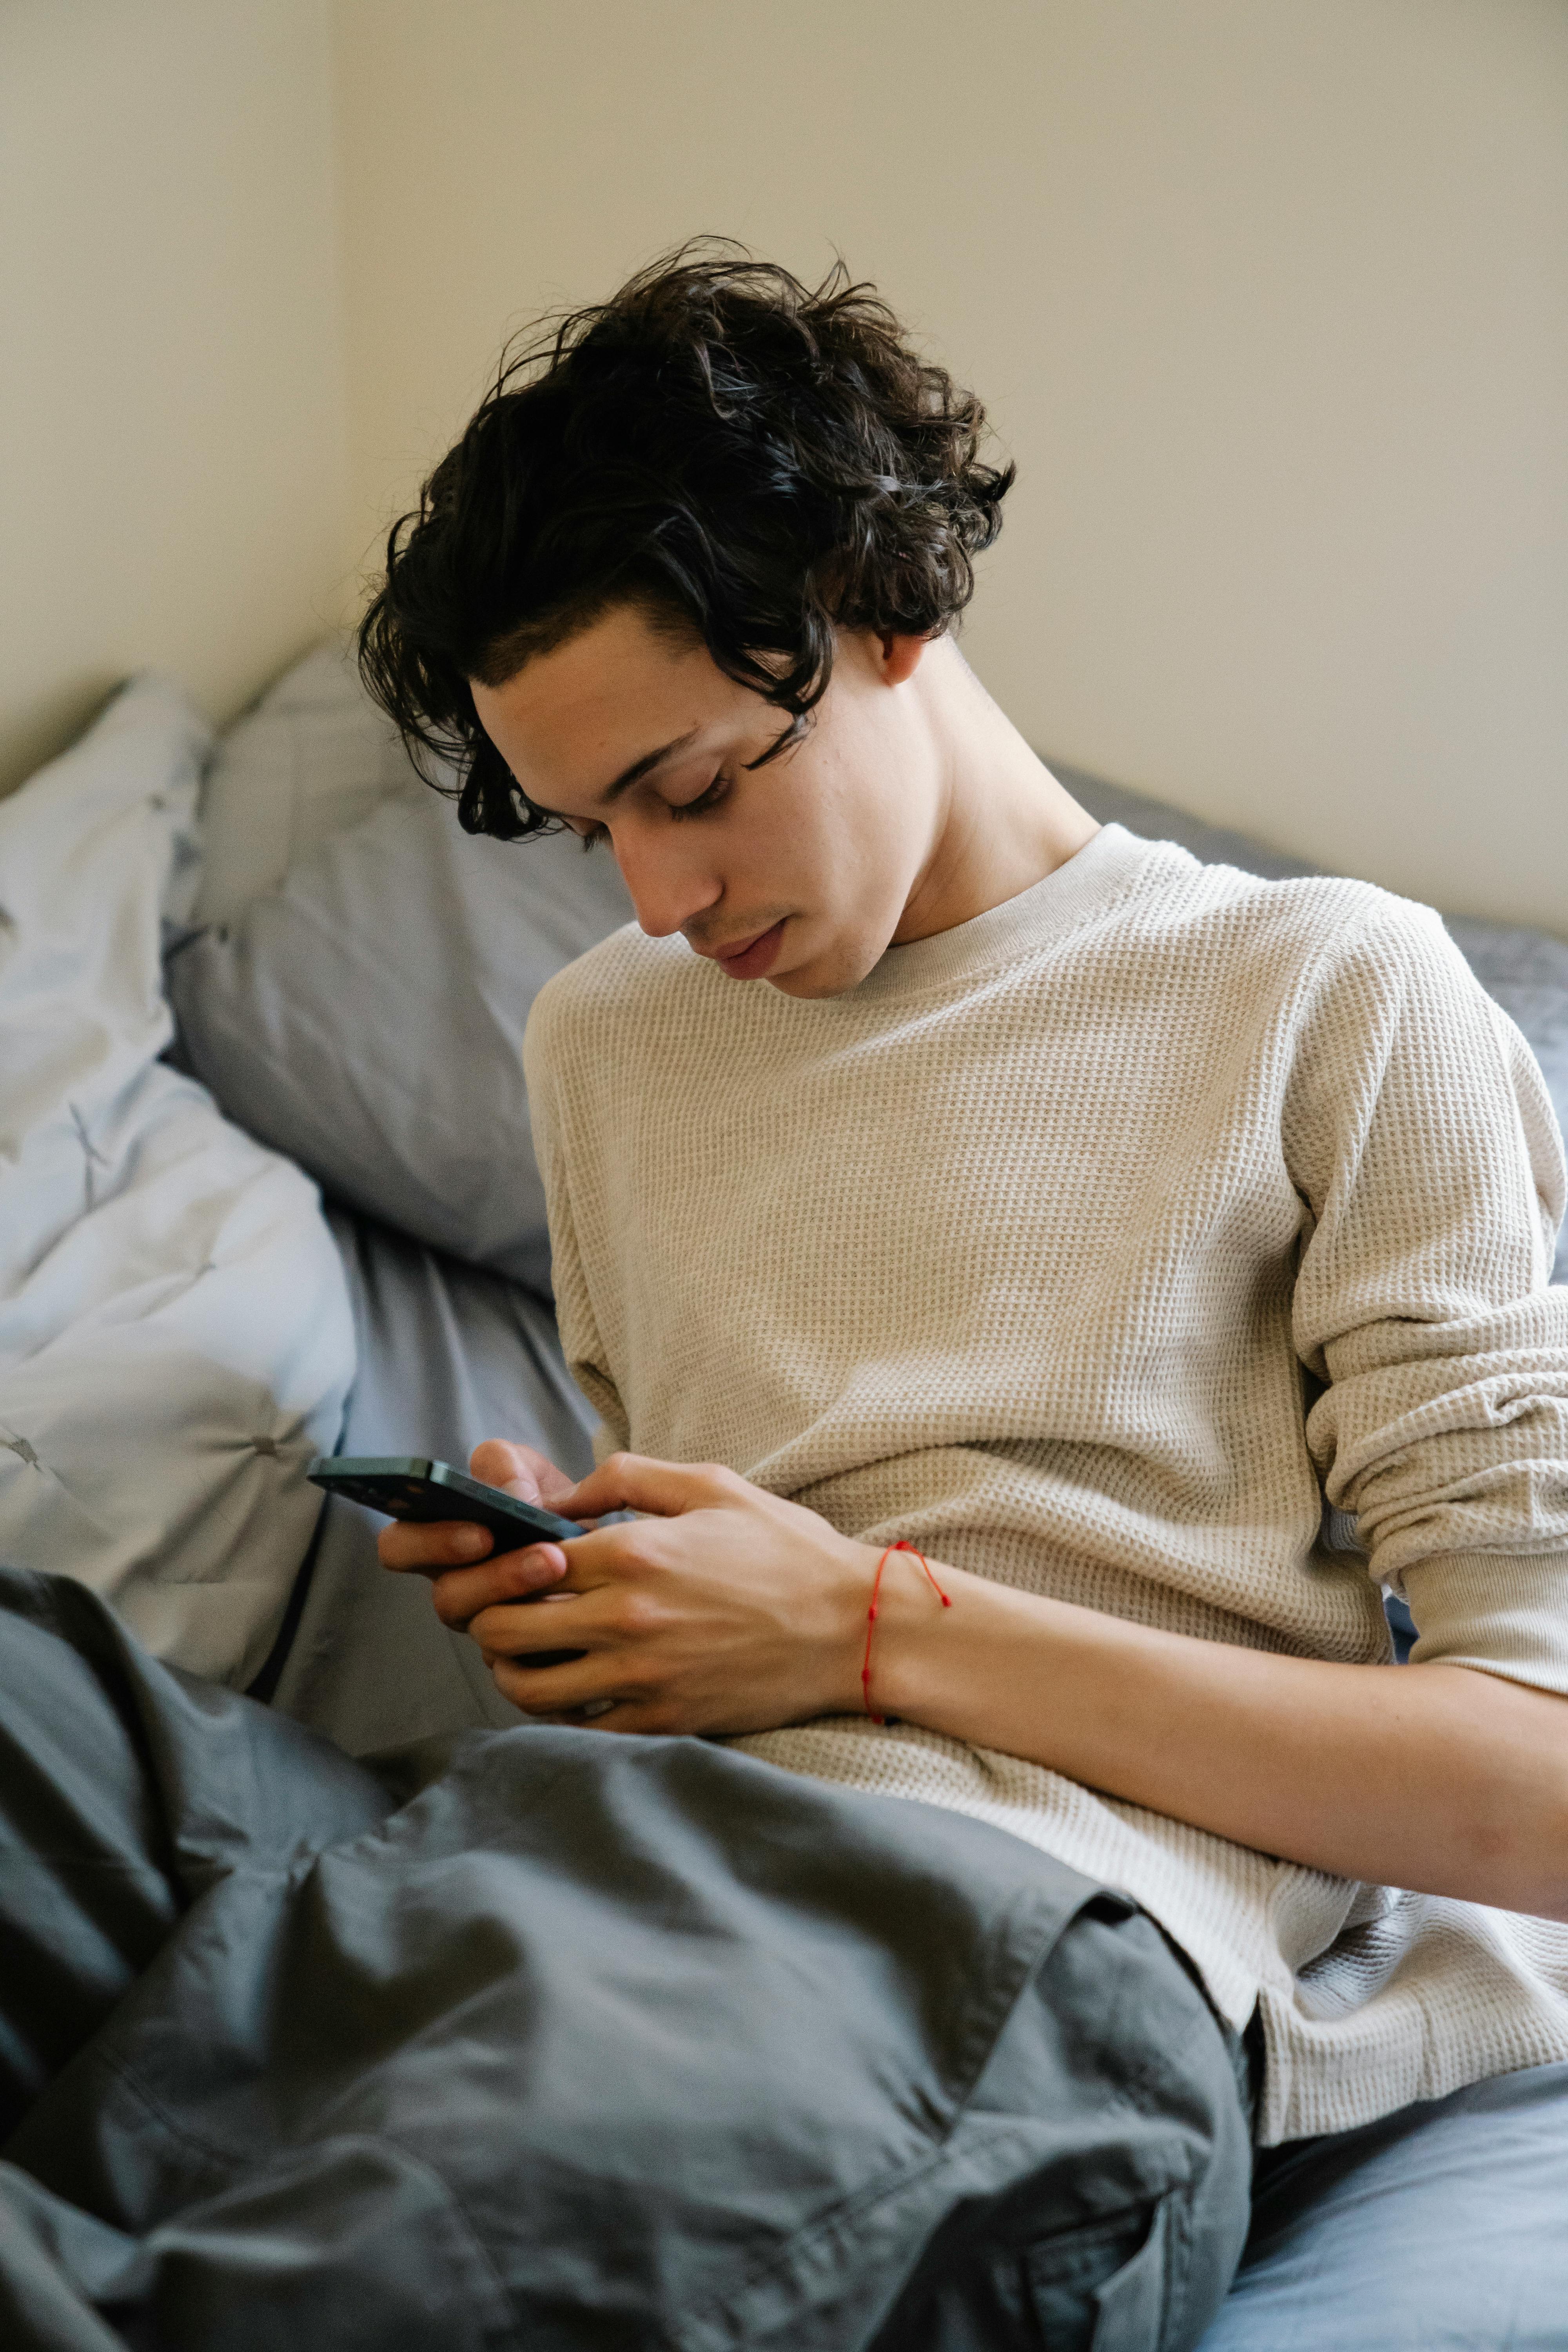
1419,1134
585,1351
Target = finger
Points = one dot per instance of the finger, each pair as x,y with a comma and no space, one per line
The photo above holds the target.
518,1470
632,1553
605,1714
627,1715
462,1593
634,1481
432,1546
562,1690
602,1619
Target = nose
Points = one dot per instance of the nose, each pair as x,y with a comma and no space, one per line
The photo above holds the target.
670,883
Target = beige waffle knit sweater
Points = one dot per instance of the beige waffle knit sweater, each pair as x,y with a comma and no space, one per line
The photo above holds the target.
1165,1240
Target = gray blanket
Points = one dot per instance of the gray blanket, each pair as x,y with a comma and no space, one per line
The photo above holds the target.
581,2044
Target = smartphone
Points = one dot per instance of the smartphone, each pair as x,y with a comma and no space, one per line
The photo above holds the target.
413,1487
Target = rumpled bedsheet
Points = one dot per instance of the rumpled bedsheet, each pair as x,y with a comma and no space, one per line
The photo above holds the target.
175,1334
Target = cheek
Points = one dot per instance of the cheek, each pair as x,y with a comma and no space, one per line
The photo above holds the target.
814,861
856,841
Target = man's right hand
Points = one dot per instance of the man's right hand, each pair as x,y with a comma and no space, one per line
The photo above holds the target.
436,1547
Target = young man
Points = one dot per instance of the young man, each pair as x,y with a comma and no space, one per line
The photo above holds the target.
997,1238
1163,1253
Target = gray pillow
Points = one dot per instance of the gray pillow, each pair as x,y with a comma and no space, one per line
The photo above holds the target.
1214,844
366,1017
310,758
1525,970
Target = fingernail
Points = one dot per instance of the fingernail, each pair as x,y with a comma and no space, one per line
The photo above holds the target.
469,1542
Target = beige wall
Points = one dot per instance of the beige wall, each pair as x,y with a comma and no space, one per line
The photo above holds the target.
1270,300
173,452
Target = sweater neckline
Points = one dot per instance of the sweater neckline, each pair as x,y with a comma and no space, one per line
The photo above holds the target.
1056,904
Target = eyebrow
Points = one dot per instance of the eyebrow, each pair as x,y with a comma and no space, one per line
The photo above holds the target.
643,767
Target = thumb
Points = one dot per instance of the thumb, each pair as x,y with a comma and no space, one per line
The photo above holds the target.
634,1481
513,1468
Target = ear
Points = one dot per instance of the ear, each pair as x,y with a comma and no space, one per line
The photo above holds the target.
899,657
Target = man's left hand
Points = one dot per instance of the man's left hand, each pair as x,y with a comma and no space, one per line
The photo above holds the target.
727,1610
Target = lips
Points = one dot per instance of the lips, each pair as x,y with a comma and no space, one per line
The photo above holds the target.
749,959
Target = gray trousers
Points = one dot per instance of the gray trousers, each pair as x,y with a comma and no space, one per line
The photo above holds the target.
562,2041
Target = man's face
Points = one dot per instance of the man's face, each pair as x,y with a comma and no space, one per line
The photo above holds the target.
799,872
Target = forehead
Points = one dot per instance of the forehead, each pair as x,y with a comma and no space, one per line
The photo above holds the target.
571,721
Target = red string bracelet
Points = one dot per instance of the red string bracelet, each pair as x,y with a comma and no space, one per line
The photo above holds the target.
871,1616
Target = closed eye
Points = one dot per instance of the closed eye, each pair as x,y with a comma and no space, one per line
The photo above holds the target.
704,801
589,831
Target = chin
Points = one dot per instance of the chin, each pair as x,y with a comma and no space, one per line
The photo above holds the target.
828,974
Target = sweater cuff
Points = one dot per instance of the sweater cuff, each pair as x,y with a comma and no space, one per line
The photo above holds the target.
1505,1613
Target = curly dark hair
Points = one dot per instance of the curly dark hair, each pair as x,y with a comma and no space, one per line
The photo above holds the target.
753,462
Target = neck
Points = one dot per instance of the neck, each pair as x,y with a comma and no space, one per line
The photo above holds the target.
1001,821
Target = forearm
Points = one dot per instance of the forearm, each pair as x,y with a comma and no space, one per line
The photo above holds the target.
1433,1777
724,1609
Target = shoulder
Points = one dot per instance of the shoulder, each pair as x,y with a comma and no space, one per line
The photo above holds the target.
1290,940
628,979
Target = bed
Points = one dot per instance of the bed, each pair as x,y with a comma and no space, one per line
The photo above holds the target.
271,1190
268,1183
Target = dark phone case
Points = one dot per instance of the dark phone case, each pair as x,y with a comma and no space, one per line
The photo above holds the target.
412,1486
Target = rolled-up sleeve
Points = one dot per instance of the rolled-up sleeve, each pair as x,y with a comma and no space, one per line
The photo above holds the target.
1422,1141
1504,1613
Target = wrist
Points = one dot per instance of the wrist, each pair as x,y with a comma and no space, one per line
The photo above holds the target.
908,1598
857,1563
